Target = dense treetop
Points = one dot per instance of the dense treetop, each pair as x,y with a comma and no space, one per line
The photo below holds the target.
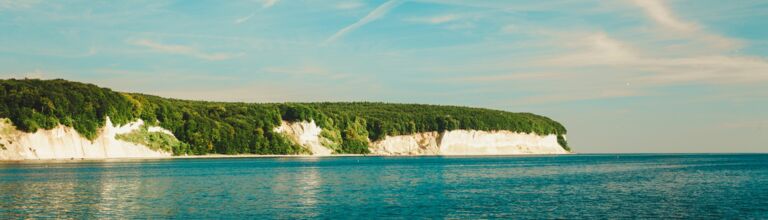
233,128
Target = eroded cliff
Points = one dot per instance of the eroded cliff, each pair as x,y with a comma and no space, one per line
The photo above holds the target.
64,142
456,142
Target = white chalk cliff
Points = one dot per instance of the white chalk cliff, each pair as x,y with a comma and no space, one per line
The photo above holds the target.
64,142
468,142
456,142
306,134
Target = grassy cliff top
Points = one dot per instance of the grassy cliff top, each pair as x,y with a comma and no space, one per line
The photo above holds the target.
231,128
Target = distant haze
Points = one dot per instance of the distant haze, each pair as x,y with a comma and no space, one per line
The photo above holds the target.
622,76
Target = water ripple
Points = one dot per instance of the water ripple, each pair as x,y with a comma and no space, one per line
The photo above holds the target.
540,187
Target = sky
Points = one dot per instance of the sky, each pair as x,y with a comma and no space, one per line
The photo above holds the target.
623,76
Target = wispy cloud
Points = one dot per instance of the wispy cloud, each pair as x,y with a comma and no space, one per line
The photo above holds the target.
660,13
264,5
55,52
372,16
698,56
705,69
268,3
437,19
17,4
244,19
598,50
594,49
505,78
580,95
299,71
449,21
598,65
182,50
306,71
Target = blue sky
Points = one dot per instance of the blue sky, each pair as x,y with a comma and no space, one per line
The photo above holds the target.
623,76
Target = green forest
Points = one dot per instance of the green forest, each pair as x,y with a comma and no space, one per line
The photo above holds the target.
203,127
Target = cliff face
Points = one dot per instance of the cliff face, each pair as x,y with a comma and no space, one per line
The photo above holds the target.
65,143
468,142
456,142
306,134
427,143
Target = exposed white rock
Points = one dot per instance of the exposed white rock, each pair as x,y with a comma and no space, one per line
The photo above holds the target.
457,142
415,144
64,142
463,142
151,129
306,134
468,142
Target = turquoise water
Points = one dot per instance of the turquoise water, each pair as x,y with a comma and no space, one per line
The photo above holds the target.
539,187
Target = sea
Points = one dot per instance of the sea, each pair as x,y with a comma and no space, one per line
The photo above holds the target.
579,186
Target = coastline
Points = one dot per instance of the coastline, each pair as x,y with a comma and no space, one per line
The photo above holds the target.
225,156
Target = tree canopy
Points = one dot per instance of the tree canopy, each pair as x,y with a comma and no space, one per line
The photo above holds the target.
237,128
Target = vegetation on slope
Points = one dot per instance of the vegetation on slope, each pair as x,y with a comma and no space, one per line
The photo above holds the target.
154,140
235,128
